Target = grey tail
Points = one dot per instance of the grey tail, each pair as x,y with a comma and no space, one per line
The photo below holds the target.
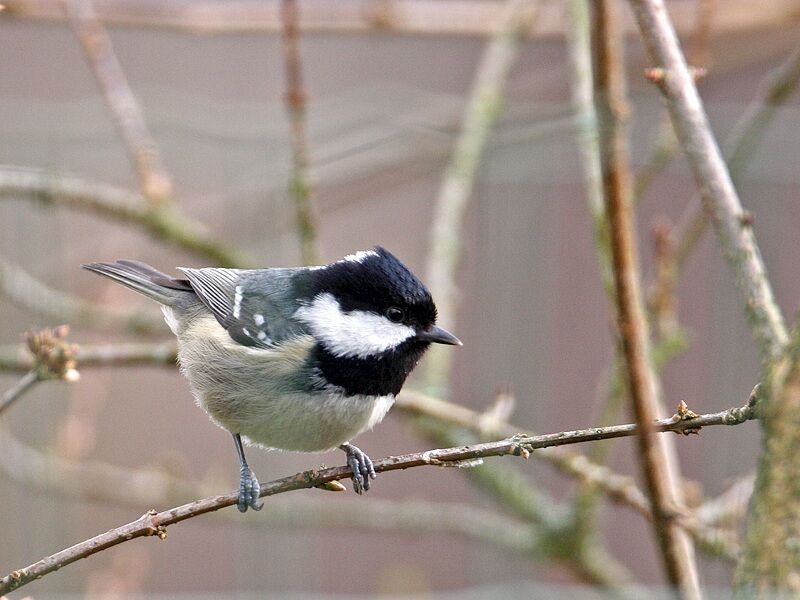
145,279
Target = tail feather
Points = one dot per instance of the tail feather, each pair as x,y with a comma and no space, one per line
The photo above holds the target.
144,279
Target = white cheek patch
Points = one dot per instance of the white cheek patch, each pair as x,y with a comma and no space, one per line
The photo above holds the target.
356,333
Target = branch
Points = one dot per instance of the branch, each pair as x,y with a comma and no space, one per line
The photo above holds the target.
295,98
163,223
154,181
582,92
27,292
18,358
732,223
774,90
483,107
770,566
155,523
676,546
53,357
93,481
14,393
96,481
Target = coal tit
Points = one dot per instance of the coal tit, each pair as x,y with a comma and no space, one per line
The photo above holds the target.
300,359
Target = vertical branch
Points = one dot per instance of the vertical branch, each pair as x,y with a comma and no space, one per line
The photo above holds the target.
770,567
154,181
676,547
580,57
774,90
483,107
731,221
299,184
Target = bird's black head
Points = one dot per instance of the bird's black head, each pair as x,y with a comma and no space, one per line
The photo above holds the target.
373,320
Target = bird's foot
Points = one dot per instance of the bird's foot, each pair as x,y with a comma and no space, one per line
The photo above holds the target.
361,464
249,490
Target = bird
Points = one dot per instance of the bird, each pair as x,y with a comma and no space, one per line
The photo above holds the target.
300,359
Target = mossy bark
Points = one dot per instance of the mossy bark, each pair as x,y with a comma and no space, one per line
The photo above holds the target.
770,566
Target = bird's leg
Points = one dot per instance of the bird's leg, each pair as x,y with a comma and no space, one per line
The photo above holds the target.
249,488
363,470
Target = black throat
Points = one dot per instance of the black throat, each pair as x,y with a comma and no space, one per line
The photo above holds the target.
377,375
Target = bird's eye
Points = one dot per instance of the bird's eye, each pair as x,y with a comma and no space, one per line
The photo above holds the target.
395,314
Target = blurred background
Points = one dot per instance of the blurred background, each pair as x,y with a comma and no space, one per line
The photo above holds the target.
385,86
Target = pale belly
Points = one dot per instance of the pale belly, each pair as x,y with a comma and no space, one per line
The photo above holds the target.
255,393
313,423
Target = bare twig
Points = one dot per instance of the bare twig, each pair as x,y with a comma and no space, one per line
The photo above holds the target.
155,523
154,181
29,293
162,222
676,547
619,488
480,114
773,91
18,358
580,55
295,98
734,228
729,508
14,393
677,551
92,480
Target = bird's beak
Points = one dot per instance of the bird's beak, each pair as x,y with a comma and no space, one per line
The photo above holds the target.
438,336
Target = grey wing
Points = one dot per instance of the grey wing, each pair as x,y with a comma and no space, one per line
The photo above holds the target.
256,307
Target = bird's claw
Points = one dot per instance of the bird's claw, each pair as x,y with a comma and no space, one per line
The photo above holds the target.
361,464
249,491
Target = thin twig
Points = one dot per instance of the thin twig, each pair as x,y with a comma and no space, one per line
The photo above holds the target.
731,222
155,523
295,99
30,294
18,358
483,107
97,481
729,507
582,92
14,393
775,89
164,223
676,546
154,181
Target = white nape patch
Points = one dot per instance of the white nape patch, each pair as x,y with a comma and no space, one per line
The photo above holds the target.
170,318
359,256
262,335
237,302
356,333
356,257
259,319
